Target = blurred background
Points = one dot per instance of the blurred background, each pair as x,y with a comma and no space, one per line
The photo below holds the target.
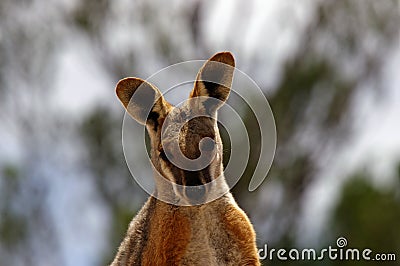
330,70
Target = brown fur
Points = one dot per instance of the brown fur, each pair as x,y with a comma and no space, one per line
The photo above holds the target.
239,228
162,234
169,238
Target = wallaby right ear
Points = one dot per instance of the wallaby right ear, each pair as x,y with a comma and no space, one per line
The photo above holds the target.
214,80
142,100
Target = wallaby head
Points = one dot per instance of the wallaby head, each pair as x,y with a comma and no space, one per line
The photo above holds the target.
186,147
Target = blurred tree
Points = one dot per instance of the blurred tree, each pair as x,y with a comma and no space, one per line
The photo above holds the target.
13,225
368,217
312,102
343,47
100,131
27,230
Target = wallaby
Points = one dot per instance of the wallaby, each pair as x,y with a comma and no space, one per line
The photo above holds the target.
186,229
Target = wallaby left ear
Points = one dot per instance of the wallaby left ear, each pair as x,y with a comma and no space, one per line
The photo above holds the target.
143,101
215,79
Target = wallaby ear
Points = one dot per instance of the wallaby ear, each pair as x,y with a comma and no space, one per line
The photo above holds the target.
142,100
215,79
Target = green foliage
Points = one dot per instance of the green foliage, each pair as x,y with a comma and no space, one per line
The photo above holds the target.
101,134
13,229
368,217
13,225
90,15
290,102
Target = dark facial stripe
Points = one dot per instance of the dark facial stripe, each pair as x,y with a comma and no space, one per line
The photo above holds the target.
153,118
196,178
190,178
206,174
193,178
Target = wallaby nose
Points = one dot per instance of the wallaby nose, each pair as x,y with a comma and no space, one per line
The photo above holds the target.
195,193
